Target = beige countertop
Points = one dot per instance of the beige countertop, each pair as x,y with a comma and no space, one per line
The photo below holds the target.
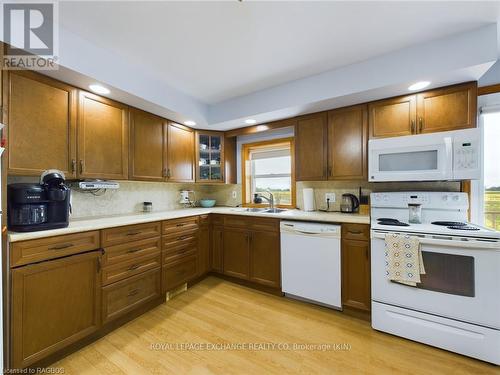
96,223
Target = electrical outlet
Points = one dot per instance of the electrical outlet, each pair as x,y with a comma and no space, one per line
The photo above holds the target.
234,194
330,196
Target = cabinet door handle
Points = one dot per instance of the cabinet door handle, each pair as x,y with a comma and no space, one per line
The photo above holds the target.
367,254
420,124
60,247
133,233
73,166
133,292
330,171
355,231
168,173
132,251
133,267
99,265
81,166
182,238
164,172
413,128
180,225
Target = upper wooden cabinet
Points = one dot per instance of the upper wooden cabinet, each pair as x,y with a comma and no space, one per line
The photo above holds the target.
311,148
41,114
180,153
449,108
393,117
102,138
209,156
443,109
347,143
147,146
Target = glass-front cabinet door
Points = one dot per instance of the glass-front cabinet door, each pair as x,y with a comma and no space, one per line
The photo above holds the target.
210,155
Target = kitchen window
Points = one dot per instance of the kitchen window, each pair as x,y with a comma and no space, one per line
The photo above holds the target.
268,167
486,192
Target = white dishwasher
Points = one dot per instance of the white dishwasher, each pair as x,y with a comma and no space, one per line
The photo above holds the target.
310,262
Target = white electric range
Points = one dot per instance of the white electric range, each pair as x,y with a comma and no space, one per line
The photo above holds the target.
457,304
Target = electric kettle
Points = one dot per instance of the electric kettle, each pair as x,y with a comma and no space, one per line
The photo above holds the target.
349,203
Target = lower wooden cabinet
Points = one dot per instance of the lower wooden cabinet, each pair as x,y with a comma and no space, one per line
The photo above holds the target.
253,255
265,263
203,249
177,273
356,282
236,252
54,304
124,296
217,249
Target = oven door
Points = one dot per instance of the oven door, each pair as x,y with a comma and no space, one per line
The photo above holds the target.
410,158
462,279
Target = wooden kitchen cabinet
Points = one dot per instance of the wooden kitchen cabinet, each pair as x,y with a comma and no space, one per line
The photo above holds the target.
356,283
393,117
102,138
311,147
147,146
347,143
180,153
216,256
236,253
204,246
41,115
265,266
448,108
54,304
209,156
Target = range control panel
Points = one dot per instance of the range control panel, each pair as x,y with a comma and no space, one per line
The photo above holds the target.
427,199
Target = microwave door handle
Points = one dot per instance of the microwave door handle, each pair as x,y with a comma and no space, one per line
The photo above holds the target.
448,167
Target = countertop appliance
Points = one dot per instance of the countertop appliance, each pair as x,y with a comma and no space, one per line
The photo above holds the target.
188,198
310,262
453,155
349,203
33,207
456,305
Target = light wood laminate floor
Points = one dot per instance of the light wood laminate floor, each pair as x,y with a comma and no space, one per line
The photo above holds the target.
219,312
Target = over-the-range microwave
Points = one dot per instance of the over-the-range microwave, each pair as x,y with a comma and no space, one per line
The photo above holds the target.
453,155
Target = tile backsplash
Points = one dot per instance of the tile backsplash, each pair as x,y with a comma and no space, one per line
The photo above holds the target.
131,194
342,187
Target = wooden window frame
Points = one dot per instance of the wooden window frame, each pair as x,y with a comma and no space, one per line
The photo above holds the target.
245,156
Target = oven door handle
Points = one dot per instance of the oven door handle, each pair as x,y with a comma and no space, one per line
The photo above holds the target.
469,243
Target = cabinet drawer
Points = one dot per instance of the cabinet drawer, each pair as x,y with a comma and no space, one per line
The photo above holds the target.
174,254
118,235
33,251
124,252
217,219
180,225
359,232
179,239
204,219
124,296
179,273
252,223
122,270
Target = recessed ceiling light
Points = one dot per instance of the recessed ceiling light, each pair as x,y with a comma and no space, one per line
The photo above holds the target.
250,121
98,89
419,85
189,123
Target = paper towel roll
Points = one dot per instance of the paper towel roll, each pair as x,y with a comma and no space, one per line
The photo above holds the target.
308,195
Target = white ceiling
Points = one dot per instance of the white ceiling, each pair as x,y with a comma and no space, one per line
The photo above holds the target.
215,51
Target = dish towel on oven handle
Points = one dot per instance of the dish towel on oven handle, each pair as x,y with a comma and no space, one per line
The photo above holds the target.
403,259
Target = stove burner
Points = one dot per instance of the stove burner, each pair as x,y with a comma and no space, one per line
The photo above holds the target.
462,227
389,221
449,223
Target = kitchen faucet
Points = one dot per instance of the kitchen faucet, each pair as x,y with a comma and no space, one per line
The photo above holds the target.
257,198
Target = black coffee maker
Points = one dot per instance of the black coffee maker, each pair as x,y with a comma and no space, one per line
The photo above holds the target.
34,207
